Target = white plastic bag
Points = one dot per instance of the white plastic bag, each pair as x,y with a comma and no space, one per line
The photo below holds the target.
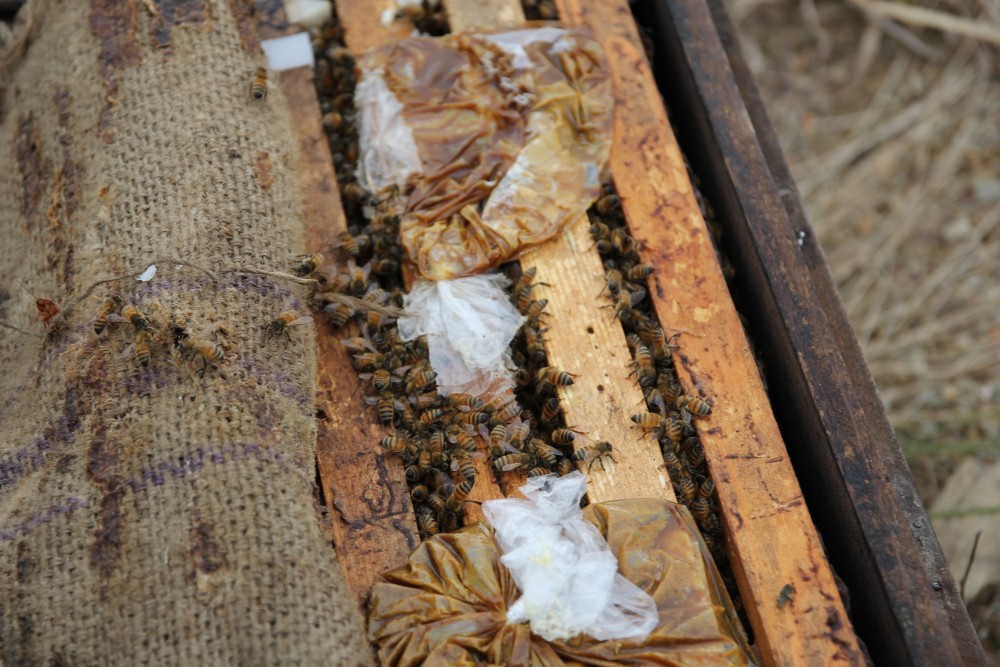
566,573
469,323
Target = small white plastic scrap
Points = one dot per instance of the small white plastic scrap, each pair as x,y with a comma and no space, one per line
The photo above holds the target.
148,274
289,52
308,13
469,323
566,573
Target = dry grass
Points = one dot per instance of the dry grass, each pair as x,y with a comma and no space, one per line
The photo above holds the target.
894,139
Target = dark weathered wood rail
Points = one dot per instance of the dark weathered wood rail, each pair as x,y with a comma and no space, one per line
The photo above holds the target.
857,484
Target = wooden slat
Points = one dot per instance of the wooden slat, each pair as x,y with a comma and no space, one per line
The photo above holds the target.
363,24
465,15
372,518
582,337
772,541
828,399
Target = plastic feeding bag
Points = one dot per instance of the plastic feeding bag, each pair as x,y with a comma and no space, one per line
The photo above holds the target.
469,323
484,144
566,572
454,601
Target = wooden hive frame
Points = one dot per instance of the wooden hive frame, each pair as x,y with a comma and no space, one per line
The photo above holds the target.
770,534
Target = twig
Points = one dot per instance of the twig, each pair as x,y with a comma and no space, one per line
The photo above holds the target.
968,566
907,38
361,304
929,18
19,330
280,274
168,260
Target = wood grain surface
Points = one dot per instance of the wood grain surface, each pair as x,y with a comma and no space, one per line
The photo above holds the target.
773,544
372,521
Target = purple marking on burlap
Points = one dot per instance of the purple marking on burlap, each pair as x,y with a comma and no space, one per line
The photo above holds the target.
188,465
44,516
266,373
27,459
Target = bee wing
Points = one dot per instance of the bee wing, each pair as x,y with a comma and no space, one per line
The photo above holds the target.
483,432
510,466
365,376
114,317
127,352
302,321
637,296
509,448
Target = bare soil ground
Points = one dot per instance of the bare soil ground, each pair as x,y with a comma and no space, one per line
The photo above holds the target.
893,134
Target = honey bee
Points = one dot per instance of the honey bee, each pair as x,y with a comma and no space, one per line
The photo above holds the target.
385,406
555,376
380,379
694,404
613,281
465,402
536,309
673,463
506,414
385,267
644,367
363,361
621,242
258,85
426,521
594,453
419,493
639,272
547,454
143,342
563,436
339,314
285,321
111,305
136,319
472,418
538,472
550,410
356,193
359,279
463,490
431,416
467,468
650,421
601,234
701,509
707,488
533,343
695,452
332,120
393,444
309,265
685,489
522,377
209,351
436,504
424,460
353,245
565,467
673,429
512,461
413,474
464,441
420,379
608,203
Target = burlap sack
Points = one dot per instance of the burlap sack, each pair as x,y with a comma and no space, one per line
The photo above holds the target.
153,515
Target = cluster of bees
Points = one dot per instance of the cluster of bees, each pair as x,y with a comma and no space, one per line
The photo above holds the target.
435,436
669,412
197,351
